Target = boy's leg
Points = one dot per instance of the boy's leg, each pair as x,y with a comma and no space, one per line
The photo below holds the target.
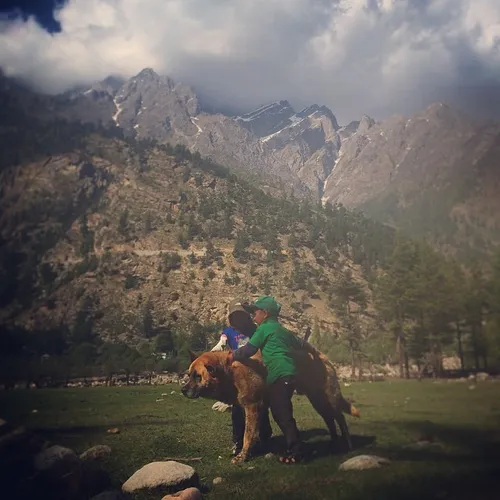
280,399
265,429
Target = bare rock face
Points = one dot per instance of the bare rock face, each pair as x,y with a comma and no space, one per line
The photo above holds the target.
432,174
308,144
267,119
153,106
273,141
160,474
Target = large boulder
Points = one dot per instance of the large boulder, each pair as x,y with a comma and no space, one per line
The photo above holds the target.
59,471
168,474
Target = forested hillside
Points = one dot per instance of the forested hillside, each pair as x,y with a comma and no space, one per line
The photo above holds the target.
115,249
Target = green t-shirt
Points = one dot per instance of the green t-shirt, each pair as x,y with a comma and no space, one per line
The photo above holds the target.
275,343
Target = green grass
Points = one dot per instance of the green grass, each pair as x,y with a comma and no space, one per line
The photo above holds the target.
394,414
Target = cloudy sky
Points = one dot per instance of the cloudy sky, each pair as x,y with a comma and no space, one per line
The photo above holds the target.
375,57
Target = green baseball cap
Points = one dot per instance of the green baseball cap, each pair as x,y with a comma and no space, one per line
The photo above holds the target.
268,304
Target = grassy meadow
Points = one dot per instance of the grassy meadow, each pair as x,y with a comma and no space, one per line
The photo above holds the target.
463,462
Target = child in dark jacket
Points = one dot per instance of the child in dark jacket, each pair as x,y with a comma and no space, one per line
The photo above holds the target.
233,337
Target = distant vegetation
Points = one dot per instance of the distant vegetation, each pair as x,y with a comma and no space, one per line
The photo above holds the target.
423,305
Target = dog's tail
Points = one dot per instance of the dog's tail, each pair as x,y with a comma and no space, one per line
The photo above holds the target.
349,408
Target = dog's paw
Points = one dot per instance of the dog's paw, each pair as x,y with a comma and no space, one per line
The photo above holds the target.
238,459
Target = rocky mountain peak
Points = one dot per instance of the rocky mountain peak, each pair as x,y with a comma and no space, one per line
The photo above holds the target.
148,73
444,115
266,119
110,84
318,111
365,124
153,106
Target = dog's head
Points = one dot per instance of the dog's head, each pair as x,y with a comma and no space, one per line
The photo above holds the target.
209,374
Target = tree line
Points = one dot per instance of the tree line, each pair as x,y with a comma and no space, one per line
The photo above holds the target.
426,306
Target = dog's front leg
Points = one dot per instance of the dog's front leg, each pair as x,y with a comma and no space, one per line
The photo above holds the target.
251,430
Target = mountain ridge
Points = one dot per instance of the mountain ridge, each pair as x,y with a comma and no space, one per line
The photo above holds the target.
388,169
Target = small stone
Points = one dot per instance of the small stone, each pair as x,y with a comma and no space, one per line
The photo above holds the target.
95,452
113,430
156,474
217,480
269,456
363,462
159,399
187,494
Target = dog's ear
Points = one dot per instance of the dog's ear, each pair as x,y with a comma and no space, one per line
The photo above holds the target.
192,355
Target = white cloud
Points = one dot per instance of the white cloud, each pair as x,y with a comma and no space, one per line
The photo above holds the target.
356,56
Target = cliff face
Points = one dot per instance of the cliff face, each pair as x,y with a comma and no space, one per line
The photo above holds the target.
435,174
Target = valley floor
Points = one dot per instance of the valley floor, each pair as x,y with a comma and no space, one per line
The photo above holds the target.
463,462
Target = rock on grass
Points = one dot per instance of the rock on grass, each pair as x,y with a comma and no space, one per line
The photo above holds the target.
187,494
95,452
363,462
160,474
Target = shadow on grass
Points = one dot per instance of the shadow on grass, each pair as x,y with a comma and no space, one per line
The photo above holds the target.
475,484
314,448
442,462
447,442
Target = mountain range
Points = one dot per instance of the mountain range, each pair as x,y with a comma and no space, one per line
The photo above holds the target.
113,198
434,174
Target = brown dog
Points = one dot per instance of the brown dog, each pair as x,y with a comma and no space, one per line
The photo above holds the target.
211,375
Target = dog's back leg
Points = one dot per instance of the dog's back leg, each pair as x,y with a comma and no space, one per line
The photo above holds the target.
251,431
344,429
321,404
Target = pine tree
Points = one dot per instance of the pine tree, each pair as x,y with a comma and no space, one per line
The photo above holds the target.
345,292
394,296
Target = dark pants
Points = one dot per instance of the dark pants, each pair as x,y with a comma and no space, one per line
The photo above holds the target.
280,395
238,420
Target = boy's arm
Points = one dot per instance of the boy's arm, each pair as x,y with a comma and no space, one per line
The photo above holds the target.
222,343
247,351
251,348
